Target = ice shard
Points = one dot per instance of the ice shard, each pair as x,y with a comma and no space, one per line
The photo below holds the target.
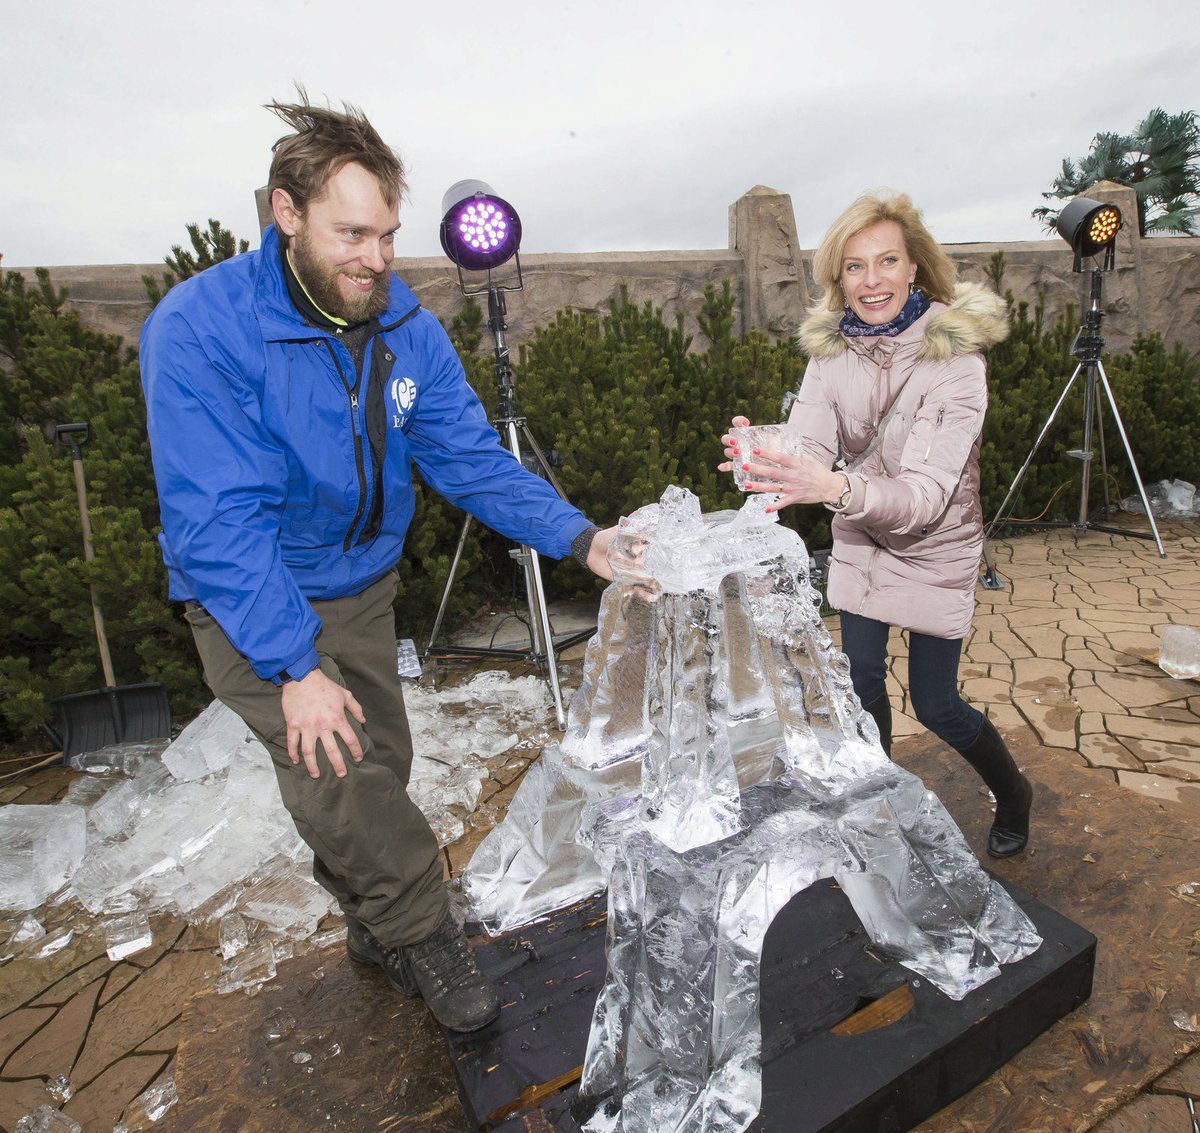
1179,652
47,1119
43,844
715,763
125,935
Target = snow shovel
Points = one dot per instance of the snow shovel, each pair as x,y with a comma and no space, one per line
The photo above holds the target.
115,713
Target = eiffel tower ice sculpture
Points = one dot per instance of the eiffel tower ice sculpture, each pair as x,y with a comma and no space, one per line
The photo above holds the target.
715,763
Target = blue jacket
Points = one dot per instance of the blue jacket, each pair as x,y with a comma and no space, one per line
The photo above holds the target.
280,482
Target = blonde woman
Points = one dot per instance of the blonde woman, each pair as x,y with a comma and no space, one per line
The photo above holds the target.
888,420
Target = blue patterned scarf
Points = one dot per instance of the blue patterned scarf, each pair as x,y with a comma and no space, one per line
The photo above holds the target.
853,327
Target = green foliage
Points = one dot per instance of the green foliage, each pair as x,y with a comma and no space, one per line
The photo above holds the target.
631,408
622,406
208,248
54,370
628,402
1160,160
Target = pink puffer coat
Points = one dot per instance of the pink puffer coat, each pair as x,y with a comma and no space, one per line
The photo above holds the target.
906,547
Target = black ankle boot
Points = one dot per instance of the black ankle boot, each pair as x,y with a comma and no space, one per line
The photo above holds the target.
990,757
441,970
880,710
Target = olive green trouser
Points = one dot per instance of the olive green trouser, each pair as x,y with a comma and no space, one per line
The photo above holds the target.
372,847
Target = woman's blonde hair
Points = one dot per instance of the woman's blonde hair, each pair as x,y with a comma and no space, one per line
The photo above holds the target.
936,272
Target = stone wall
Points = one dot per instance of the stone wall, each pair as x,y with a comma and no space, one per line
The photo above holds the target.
1155,286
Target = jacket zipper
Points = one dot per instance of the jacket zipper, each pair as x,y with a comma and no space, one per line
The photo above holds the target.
352,394
933,435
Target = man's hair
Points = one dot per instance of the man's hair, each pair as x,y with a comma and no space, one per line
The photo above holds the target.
324,141
936,272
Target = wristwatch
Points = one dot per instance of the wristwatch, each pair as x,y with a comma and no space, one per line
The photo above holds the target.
844,498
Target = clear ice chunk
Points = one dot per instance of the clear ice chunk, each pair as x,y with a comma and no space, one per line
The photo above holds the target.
1179,652
286,899
43,845
1168,499
123,936
207,744
53,942
127,758
779,438
149,1107
47,1119
715,763
60,1089
253,967
28,928
233,935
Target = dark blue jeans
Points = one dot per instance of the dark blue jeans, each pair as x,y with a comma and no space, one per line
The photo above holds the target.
932,677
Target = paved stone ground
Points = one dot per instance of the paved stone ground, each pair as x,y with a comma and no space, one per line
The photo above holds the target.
1063,655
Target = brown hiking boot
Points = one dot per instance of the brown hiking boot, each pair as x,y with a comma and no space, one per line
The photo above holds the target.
441,970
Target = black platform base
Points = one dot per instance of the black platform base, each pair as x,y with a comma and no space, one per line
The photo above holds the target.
851,1042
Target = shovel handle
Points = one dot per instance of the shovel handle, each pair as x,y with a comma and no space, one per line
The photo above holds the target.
89,554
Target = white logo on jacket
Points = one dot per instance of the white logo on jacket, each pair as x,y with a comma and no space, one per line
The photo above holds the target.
403,392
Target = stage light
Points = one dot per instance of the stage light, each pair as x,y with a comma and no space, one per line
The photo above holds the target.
480,230
1090,228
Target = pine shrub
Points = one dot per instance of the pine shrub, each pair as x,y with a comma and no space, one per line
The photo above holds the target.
624,405
54,370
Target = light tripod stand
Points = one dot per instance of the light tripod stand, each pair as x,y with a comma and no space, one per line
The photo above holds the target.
1086,348
514,432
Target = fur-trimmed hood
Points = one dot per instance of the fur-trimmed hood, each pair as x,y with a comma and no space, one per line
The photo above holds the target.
976,318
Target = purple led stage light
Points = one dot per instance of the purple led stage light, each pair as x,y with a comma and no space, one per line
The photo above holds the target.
479,230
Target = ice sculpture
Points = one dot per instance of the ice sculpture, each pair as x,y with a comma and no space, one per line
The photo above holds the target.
715,763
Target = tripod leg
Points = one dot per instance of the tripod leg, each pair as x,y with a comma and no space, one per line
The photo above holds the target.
1137,477
541,459
539,617
1032,453
990,579
1090,410
535,594
437,622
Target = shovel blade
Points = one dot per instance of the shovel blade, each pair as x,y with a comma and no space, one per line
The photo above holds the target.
123,714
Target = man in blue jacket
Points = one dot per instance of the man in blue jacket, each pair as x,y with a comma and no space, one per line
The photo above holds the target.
289,392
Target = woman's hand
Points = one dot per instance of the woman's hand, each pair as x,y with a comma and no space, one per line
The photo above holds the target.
795,479
730,444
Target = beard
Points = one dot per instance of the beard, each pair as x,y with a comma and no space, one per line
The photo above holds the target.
320,280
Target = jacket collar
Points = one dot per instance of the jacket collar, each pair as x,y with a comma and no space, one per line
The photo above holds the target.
976,318
277,315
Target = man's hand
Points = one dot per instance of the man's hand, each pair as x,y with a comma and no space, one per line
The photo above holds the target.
598,553
624,566
315,708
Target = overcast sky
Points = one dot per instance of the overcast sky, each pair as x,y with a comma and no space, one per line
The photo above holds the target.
623,125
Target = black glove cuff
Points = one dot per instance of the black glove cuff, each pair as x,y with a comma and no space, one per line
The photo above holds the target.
582,544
